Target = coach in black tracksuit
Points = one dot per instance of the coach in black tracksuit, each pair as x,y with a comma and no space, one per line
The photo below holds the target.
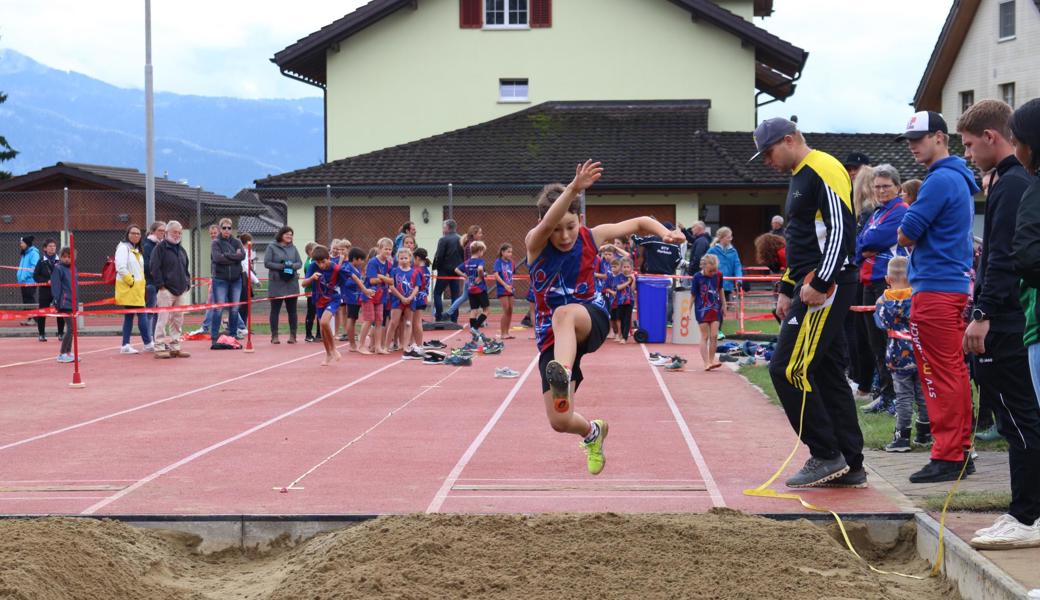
816,292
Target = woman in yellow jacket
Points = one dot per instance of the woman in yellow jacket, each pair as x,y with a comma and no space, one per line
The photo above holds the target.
130,288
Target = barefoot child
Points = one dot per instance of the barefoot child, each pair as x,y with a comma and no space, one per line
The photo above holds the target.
323,277
354,291
341,257
571,316
377,276
419,304
403,292
709,308
626,297
504,288
603,268
610,293
476,285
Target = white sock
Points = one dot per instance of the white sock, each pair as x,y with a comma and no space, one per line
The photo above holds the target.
593,433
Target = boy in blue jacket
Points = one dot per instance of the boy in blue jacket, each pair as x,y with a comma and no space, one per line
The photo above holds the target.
893,315
61,291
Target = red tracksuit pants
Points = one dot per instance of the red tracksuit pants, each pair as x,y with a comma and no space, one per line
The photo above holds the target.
937,329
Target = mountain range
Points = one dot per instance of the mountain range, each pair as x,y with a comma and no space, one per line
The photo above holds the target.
221,144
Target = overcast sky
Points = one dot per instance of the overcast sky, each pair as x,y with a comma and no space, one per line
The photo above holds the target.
866,58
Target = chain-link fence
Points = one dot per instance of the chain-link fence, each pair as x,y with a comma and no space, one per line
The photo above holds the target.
99,219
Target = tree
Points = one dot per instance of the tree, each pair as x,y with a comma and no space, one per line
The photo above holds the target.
6,151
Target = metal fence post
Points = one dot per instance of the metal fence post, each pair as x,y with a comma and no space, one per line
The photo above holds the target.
197,246
328,214
65,233
451,201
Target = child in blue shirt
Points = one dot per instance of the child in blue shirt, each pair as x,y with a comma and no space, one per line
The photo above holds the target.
504,288
421,299
353,292
323,277
403,292
476,284
377,277
709,307
624,298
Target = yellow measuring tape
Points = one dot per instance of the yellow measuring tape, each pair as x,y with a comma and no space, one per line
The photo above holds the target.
764,491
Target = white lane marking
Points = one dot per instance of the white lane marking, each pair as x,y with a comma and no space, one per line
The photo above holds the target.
453,476
51,358
187,459
695,452
293,485
153,403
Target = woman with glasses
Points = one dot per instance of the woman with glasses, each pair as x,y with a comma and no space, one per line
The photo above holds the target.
130,288
226,254
876,244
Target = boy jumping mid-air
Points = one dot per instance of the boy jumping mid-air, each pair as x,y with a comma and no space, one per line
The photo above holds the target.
571,316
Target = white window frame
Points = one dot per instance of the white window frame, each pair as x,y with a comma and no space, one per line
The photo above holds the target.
508,6
1004,89
1014,21
514,99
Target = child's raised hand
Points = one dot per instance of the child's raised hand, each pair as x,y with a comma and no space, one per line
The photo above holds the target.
587,174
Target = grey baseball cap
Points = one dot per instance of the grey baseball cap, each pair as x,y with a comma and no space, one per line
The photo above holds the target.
770,132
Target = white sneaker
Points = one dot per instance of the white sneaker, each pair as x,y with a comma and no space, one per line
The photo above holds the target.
506,373
662,361
149,347
1010,535
127,349
1000,522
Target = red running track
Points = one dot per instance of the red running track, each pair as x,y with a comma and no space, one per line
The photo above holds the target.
224,432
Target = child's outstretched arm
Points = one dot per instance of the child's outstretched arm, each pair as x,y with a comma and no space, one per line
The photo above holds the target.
361,286
585,175
637,226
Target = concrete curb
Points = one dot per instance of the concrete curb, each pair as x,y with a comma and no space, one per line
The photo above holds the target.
976,577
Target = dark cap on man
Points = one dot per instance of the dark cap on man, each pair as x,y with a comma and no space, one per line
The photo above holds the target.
856,159
28,240
770,132
923,123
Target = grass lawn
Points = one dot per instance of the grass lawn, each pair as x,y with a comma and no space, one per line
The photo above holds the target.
877,428
969,501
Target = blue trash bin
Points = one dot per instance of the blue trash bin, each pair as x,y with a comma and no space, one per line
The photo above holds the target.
653,302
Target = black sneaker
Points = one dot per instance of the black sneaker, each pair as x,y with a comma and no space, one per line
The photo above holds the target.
852,479
728,358
435,344
434,358
43,338
942,470
525,322
817,471
413,355
900,441
922,434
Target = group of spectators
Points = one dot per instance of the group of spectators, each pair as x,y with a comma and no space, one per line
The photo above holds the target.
944,313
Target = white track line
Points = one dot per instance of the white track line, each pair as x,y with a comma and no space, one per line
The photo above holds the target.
675,496
154,403
449,481
187,459
53,498
695,452
51,358
369,430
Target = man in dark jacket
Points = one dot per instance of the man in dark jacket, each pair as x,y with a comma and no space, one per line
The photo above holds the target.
699,241
660,258
169,268
447,258
998,323
226,254
156,233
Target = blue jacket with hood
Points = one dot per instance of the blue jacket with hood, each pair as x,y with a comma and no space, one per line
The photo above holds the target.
940,223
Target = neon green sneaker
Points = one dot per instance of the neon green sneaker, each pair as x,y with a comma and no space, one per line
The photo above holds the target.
594,449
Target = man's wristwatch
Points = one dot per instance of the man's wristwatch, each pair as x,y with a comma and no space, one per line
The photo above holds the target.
979,315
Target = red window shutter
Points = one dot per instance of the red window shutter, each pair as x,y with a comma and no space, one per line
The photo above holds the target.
541,13
471,14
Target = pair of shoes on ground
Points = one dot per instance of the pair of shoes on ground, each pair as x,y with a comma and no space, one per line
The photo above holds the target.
434,345
413,353
493,347
830,473
506,373
1007,533
163,353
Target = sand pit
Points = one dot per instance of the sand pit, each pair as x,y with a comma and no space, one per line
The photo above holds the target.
722,554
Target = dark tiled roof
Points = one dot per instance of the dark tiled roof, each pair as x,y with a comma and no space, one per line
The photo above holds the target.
124,178
262,226
305,59
646,144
